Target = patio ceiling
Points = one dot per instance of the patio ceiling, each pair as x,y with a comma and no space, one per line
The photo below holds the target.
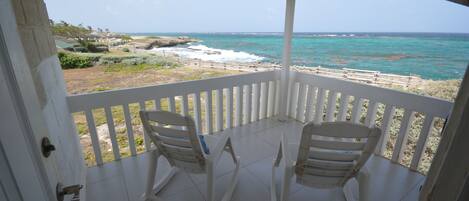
463,2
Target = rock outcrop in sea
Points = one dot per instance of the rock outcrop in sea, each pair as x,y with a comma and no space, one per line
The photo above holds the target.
162,41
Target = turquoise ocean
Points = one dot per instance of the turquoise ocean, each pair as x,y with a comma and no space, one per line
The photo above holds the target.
435,56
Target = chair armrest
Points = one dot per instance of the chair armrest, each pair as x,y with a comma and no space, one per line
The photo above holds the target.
220,147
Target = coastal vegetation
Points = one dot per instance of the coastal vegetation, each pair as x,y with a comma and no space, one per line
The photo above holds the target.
70,60
68,30
81,47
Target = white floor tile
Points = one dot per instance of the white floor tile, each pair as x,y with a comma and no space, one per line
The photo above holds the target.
256,144
247,188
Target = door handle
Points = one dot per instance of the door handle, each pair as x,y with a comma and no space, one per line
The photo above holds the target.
74,190
46,147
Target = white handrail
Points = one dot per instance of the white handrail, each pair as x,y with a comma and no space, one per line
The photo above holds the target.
253,96
179,95
370,96
83,102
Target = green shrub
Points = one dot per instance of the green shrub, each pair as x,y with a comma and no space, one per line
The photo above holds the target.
125,49
113,59
162,62
133,61
69,60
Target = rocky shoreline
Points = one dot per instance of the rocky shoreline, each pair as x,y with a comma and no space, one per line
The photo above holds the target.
148,43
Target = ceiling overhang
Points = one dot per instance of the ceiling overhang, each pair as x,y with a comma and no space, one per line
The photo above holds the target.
463,2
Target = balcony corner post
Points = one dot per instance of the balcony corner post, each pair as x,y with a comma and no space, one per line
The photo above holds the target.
285,74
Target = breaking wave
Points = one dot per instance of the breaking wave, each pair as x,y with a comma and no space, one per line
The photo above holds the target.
205,53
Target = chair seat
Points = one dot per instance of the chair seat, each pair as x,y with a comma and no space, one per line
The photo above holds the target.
212,140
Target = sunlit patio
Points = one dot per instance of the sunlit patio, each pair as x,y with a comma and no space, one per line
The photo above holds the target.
256,143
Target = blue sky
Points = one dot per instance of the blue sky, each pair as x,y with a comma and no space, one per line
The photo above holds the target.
263,15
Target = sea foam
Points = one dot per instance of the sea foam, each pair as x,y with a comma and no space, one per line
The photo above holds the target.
205,53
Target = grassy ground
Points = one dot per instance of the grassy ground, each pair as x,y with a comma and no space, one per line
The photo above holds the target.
116,76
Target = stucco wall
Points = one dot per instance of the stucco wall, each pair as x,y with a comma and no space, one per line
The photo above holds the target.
39,47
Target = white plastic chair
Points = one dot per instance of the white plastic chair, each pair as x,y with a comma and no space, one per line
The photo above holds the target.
329,155
176,139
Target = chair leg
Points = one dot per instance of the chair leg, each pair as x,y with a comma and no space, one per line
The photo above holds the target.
162,183
152,166
363,178
356,188
273,187
275,164
210,182
152,189
286,184
234,180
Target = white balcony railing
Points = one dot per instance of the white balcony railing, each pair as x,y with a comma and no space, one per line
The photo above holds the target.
316,98
240,99
227,102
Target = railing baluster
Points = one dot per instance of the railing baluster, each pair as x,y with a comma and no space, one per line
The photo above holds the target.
310,96
319,106
94,137
385,127
157,104
401,141
248,99
371,113
264,100
239,105
331,106
357,109
344,101
112,133
300,109
271,99
197,112
277,97
130,132
172,105
146,139
208,111
229,107
422,141
255,101
219,109
185,105
293,99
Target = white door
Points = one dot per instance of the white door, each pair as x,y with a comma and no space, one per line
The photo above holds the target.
24,123
20,176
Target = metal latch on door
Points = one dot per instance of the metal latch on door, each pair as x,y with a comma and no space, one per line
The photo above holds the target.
68,190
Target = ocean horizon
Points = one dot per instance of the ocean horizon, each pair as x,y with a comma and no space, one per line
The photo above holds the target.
437,56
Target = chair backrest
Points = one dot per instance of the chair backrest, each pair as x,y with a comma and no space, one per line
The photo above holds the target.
176,138
333,152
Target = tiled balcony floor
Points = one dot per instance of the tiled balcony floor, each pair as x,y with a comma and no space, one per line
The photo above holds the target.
256,144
